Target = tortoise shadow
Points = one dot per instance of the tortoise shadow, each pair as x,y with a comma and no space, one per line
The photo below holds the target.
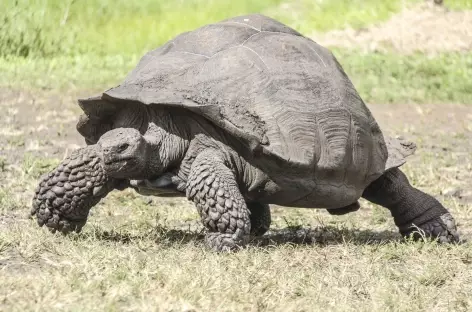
324,236
321,236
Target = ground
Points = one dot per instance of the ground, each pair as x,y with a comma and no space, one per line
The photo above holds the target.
141,253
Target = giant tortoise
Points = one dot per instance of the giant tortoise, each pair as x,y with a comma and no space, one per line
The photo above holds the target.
238,115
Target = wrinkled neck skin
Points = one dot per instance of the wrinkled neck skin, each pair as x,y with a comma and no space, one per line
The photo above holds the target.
168,137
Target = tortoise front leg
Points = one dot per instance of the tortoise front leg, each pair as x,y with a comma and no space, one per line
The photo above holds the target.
65,195
212,186
170,185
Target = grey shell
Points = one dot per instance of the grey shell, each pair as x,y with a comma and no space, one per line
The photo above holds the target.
286,98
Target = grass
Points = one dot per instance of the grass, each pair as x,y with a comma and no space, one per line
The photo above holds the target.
53,27
95,274
146,254
389,77
459,4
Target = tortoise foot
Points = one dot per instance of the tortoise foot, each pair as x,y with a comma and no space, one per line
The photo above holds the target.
442,228
225,242
64,197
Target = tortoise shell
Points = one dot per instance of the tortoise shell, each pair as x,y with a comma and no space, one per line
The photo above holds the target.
285,97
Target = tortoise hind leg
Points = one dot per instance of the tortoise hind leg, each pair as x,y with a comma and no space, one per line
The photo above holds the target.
411,208
260,218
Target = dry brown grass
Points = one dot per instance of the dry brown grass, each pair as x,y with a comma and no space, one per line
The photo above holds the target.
143,254
425,28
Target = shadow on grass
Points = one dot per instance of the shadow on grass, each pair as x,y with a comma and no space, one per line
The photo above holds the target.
323,236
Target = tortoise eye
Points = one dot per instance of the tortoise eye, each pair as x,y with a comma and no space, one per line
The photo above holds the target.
124,146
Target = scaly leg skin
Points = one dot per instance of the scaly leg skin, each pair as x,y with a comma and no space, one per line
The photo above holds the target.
411,208
260,218
211,185
64,197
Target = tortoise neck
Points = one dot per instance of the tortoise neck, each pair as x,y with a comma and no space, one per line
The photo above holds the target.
168,136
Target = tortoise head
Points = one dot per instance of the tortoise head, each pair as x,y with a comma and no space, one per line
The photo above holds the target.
124,153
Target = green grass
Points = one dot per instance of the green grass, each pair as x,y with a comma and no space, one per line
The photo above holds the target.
389,77
458,4
58,27
87,71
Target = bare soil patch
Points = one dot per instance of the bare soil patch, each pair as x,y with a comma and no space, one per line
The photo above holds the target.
426,28
38,124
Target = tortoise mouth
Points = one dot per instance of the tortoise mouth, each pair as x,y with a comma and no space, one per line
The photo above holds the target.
122,167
